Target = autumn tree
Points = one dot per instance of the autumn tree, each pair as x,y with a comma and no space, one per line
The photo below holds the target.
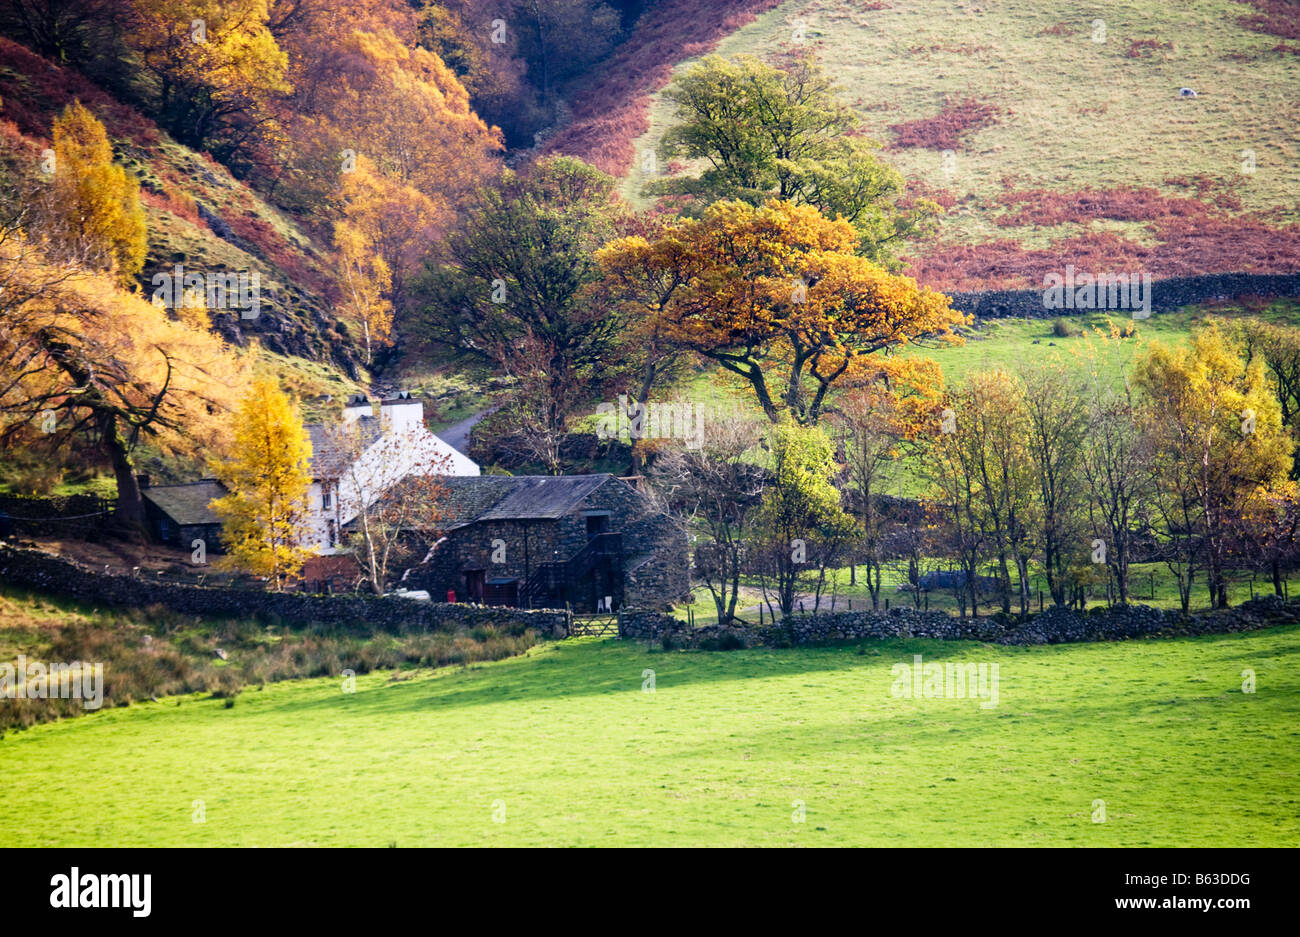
766,132
264,527
1269,531
366,240
777,296
1215,428
515,291
94,210
802,527
363,88
638,283
87,361
487,60
1277,345
877,421
993,425
214,68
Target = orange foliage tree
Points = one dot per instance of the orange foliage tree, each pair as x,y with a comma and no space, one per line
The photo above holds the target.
213,65
776,295
362,88
94,211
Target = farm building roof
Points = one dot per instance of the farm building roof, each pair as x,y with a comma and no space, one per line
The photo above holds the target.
187,504
332,446
514,497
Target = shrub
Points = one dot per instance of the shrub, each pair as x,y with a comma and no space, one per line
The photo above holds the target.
944,131
727,641
1141,48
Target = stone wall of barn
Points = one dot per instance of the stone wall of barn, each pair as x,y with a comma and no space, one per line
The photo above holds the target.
662,579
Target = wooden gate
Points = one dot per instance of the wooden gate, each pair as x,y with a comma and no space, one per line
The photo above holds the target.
598,625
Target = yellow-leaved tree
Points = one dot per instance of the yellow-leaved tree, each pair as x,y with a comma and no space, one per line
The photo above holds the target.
370,238
91,368
96,213
213,67
264,516
1214,427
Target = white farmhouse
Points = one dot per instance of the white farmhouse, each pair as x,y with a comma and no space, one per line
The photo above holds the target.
357,461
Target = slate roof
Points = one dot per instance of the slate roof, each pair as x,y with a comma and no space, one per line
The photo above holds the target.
187,504
514,497
328,458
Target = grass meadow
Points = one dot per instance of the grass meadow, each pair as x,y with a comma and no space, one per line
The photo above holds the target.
564,746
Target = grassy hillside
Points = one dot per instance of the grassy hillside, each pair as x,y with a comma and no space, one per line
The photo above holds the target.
1061,146
200,216
151,652
566,748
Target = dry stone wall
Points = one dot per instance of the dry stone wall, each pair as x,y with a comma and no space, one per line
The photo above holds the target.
33,569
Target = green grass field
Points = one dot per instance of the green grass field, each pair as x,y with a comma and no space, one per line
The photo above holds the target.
1013,343
564,747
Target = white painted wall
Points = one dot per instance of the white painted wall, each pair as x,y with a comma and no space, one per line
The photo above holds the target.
405,449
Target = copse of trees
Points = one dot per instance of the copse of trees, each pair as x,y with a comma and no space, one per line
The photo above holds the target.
1054,470
1215,433
1188,466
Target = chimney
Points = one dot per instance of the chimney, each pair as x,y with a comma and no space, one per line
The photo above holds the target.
402,413
357,406
142,480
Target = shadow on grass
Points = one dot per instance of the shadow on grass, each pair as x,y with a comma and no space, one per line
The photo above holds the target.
600,667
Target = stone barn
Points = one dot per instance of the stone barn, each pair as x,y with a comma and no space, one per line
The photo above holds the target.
591,542
181,514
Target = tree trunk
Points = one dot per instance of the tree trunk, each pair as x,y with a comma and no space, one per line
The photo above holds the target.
129,513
